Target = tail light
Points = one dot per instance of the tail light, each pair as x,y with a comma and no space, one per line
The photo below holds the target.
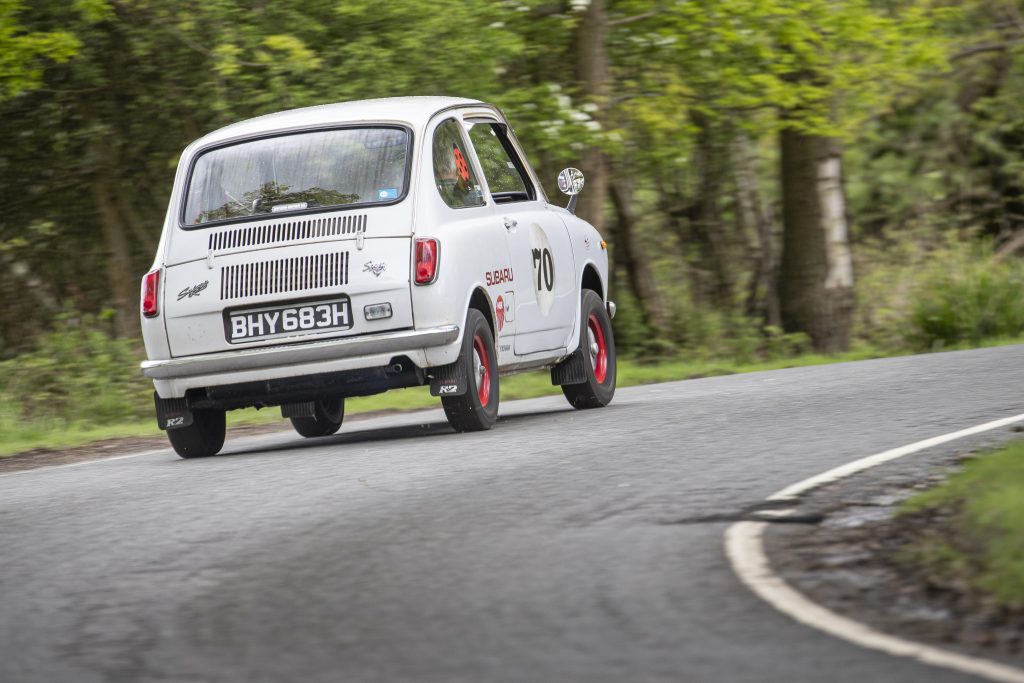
427,254
151,294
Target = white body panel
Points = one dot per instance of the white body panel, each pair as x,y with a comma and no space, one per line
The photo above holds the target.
547,289
486,252
377,273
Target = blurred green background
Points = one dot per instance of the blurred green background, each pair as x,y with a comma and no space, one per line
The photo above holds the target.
774,178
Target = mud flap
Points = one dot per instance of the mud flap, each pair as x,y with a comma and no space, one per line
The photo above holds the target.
449,380
572,370
172,413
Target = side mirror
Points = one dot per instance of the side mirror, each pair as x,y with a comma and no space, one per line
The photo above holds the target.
570,182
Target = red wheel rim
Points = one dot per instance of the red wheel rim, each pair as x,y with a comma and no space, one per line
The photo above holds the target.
482,370
598,348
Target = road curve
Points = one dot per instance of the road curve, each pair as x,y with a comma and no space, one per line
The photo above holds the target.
560,546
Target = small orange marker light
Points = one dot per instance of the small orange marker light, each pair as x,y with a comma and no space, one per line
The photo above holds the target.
604,245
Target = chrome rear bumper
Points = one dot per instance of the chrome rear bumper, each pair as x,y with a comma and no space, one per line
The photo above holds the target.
297,354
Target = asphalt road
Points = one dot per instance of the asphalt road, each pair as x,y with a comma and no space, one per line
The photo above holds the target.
560,546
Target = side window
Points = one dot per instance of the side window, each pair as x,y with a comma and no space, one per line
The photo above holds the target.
453,174
503,172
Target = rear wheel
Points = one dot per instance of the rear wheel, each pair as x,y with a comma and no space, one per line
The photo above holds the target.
477,409
597,345
202,438
326,420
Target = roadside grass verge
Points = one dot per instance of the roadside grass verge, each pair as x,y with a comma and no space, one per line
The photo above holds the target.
974,538
18,434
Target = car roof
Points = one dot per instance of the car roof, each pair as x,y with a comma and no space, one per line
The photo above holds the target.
413,111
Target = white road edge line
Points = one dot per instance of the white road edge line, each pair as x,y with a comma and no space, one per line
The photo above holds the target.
113,458
50,468
744,546
850,468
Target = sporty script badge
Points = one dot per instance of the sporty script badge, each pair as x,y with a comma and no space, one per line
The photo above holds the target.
193,291
375,268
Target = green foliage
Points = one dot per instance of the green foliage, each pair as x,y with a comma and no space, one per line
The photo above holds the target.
980,537
628,324
922,293
827,65
965,295
109,93
949,153
77,374
23,54
703,334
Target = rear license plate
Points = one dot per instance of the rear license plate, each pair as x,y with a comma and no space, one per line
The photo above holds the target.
269,322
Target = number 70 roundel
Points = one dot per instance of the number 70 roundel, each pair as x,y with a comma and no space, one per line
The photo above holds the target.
543,268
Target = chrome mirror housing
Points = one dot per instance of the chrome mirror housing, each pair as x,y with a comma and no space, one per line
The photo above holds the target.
570,182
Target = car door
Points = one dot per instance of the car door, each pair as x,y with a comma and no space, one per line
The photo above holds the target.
543,272
473,249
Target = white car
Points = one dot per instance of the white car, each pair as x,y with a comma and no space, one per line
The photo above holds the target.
347,249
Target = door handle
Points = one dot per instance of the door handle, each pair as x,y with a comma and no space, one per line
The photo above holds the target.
511,223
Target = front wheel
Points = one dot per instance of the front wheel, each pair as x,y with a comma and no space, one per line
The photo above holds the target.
597,346
476,409
326,420
202,438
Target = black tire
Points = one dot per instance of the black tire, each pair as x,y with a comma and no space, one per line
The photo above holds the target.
326,420
597,345
203,438
477,409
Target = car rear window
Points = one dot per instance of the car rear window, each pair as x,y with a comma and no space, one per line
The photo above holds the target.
298,172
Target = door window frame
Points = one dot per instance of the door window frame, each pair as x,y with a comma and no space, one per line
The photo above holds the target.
502,133
471,160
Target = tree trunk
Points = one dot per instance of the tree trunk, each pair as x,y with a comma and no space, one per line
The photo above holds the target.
763,297
706,222
592,73
816,278
121,279
638,267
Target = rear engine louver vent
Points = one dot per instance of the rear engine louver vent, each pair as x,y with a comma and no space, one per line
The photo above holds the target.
284,275
289,231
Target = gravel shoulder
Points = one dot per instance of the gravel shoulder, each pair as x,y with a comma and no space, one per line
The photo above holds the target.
849,560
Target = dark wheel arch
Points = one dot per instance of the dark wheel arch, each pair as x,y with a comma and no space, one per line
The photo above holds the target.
592,280
481,302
